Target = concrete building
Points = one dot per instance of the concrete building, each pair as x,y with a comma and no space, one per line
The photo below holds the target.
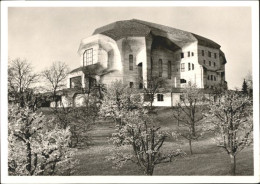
133,50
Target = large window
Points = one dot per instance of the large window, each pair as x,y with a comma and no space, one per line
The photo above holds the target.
169,69
202,52
192,66
88,57
131,62
182,67
182,55
189,54
215,55
189,66
160,68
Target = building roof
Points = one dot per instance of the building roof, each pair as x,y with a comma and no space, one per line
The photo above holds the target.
77,70
134,27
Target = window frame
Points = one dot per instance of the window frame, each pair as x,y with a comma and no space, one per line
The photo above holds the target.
169,69
160,97
87,57
209,54
160,67
182,67
131,62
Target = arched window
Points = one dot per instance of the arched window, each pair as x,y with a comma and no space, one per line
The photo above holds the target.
88,57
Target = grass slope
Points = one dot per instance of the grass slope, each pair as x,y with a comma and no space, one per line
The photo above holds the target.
208,159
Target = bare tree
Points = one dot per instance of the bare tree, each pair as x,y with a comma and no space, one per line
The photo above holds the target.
144,139
154,83
55,76
20,79
231,120
189,114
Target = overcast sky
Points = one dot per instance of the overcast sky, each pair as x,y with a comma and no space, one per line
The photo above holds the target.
43,35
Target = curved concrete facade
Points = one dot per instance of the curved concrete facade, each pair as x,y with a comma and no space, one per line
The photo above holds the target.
133,50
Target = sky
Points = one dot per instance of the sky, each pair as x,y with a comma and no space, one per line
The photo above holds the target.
43,35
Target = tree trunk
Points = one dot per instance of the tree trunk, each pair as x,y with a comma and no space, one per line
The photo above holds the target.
28,157
190,147
233,165
149,170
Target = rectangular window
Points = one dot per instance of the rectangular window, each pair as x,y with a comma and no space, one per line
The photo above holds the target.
182,67
182,81
211,77
159,97
151,66
189,66
182,55
202,52
160,68
192,66
75,82
209,63
214,64
192,53
189,54
131,62
169,69
131,84
209,53
215,55
204,61
88,57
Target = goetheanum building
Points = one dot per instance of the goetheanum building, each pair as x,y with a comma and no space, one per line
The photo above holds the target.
133,50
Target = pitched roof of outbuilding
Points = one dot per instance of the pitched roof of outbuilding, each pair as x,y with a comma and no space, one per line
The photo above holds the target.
134,27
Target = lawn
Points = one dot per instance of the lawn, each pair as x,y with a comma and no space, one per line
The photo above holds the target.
207,159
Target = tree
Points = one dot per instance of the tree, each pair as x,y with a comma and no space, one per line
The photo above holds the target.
144,139
79,119
231,120
154,83
249,82
134,129
33,148
189,114
118,100
55,76
244,87
20,80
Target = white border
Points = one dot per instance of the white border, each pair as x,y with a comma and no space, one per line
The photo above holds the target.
126,179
